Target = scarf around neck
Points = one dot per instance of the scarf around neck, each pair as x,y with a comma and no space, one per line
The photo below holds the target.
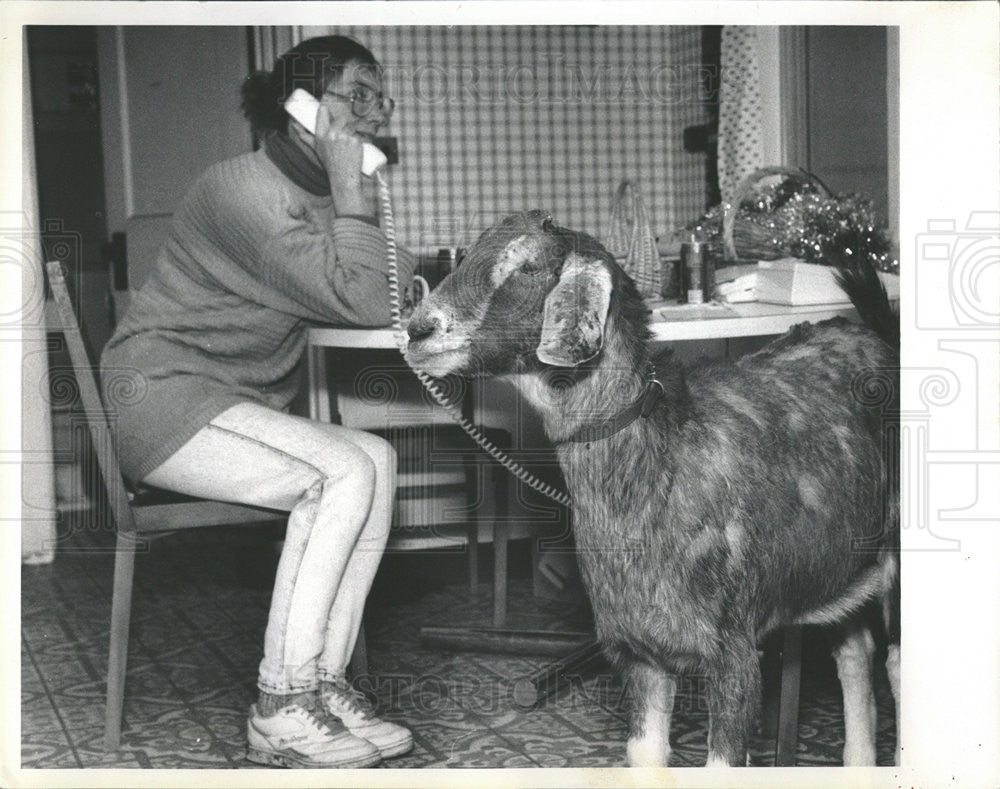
296,166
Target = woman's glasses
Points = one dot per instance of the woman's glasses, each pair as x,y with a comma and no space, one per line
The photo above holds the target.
365,100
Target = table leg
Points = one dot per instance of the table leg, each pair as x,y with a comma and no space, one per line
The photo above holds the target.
501,534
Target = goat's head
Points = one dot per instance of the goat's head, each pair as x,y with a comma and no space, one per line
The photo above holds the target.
528,293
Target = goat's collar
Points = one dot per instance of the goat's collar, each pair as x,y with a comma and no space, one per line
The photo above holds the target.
641,407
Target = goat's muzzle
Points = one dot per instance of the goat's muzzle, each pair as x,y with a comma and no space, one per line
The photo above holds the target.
423,324
434,345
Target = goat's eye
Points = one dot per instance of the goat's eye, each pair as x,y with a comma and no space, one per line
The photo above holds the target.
531,267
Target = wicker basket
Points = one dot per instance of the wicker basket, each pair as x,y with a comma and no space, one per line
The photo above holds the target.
746,241
631,240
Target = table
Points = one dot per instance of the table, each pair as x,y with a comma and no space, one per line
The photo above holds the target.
749,319
323,337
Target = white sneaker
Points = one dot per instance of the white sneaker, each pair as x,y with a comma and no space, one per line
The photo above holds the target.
295,737
358,716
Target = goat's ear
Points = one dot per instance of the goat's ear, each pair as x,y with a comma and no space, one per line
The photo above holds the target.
575,312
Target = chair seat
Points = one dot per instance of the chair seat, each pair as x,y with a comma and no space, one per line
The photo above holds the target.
146,496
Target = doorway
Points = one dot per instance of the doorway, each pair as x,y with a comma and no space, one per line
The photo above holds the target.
69,164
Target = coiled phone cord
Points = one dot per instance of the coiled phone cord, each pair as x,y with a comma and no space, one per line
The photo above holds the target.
432,386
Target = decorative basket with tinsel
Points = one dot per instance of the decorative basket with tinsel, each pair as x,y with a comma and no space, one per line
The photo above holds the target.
794,216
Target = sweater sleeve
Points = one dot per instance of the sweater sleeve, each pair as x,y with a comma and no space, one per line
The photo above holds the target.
334,274
340,276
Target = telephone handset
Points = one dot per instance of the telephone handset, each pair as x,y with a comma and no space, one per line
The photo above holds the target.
304,107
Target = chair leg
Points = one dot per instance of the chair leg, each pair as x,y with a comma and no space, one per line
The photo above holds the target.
501,533
358,666
788,713
121,611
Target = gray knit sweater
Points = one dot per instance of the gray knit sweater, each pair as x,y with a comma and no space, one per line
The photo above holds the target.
252,260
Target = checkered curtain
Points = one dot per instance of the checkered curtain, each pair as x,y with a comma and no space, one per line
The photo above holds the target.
492,120
741,145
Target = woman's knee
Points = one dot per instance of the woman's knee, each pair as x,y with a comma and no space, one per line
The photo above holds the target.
346,488
344,463
363,470
380,451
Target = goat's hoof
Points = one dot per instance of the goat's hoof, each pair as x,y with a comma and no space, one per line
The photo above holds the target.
647,753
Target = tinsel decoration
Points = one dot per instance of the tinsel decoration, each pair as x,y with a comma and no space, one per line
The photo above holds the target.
790,219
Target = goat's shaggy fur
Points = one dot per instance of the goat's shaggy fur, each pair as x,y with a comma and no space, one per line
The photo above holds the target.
758,493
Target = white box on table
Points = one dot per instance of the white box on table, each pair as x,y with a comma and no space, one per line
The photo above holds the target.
794,282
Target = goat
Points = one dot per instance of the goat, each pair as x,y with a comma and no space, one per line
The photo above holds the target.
750,495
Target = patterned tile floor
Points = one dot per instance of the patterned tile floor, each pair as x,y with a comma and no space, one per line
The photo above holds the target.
199,611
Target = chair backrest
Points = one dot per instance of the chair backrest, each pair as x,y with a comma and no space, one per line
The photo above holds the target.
97,418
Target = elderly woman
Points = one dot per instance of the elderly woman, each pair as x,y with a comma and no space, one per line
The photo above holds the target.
263,246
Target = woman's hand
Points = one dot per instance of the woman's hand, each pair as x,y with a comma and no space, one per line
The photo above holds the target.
339,150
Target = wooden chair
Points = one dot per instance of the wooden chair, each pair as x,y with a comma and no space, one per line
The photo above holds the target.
151,512
135,516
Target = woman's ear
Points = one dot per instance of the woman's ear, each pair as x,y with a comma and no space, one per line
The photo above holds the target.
575,312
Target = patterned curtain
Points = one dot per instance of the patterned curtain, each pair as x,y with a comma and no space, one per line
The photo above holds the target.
495,119
741,147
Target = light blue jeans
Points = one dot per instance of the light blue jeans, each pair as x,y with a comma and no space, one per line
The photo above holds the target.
339,485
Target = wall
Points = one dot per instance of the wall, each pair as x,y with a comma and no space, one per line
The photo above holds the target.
769,50
33,443
498,119
847,111
170,108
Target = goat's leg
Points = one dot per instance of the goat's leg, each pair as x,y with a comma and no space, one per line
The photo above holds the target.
652,692
890,611
854,667
892,668
733,700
